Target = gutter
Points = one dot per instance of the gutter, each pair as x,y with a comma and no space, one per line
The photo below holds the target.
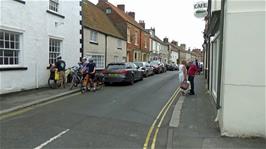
218,104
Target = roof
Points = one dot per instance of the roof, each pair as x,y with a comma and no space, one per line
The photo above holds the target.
125,16
94,18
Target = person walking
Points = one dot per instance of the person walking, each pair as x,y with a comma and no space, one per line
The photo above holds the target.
191,75
182,73
61,67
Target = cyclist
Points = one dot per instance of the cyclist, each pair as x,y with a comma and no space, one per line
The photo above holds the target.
91,70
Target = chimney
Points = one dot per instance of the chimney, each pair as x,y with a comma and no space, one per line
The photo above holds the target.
131,14
102,1
174,43
121,7
142,23
165,40
183,46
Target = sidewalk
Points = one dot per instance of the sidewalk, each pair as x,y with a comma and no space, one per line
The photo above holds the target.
197,128
16,101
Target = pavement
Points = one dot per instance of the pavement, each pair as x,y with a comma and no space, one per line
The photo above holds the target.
192,124
16,101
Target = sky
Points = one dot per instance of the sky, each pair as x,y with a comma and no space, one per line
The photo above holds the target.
171,18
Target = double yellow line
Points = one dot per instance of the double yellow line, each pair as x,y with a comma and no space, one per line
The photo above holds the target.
159,119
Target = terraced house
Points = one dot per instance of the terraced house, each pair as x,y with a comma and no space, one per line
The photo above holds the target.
134,32
32,35
101,40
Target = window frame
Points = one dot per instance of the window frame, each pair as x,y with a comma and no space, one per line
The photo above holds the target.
100,65
93,34
119,44
136,38
128,36
16,49
53,50
54,6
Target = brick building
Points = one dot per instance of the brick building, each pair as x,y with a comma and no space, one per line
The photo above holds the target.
134,32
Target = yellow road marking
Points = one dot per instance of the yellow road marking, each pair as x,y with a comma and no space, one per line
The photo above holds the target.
157,118
160,123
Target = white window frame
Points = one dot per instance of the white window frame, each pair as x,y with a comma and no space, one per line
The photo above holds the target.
128,36
108,10
136,37
146,41
54,5
55,49
93,36
6,39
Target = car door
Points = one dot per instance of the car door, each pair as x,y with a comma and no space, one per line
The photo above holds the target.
135,71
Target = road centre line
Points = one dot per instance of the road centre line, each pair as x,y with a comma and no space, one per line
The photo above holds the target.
157,118
160,123
51,139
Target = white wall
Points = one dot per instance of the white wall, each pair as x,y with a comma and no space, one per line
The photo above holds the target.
243,78
174,56
36,27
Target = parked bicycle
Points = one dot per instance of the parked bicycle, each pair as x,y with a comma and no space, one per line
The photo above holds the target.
77,77
88,82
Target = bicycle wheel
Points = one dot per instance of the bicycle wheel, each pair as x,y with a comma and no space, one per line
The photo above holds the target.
52,83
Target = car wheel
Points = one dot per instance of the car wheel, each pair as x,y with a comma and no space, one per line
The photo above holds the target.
132,80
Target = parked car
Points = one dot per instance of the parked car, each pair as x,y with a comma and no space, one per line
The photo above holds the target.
122,72
172,67
145,67
157,66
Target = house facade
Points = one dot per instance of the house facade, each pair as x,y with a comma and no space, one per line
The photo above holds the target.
235,33
32,35
134,32
101,40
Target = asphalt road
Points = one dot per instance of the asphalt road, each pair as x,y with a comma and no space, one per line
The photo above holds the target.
115,117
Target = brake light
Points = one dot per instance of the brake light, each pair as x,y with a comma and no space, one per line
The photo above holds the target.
123,71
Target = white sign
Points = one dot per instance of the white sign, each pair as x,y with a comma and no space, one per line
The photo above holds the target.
200,9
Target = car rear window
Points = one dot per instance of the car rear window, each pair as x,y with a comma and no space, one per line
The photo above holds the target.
116,66
139,64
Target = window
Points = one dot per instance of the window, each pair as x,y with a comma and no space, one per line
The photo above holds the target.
108,11
54,50
136,38
128,36
98,60
94,37
53,5
9,48
119,44
145,43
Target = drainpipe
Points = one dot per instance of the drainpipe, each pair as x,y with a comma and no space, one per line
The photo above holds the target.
218,105
208,46
105,57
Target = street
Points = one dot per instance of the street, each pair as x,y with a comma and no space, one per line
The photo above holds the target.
117,116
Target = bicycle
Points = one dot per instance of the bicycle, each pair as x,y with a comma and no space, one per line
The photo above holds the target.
77,77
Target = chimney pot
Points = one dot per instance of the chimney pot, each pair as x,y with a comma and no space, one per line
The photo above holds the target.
102,1
142,23
131,14
121,7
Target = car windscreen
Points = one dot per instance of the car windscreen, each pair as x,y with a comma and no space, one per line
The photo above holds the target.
154,63
139,64
116,66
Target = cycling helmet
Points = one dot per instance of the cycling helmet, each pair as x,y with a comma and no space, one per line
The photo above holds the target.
59,57
90,60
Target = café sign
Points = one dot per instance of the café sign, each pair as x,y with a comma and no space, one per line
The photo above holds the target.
200,9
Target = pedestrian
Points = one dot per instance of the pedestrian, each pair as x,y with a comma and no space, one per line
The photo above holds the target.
182,74
61,67
191,75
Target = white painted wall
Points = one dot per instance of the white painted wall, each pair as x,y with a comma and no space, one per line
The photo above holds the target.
174,56
36,27
243,78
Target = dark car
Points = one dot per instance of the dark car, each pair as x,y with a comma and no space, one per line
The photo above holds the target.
157,66
122,72
145,67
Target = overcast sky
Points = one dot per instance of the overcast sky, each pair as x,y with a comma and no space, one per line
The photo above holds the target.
171,18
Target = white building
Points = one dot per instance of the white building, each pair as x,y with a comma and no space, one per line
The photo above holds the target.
32,35
238,69
101,40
